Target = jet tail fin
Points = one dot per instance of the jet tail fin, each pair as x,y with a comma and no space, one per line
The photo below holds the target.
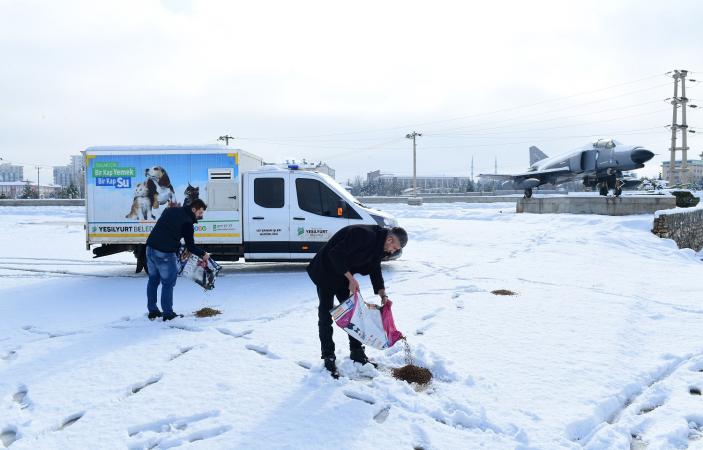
536,155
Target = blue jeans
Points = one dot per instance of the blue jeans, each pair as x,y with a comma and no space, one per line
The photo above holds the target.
163,269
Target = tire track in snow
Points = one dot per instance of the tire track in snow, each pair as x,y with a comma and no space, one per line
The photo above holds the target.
583,431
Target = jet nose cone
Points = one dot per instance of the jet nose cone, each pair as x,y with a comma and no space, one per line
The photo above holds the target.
641,156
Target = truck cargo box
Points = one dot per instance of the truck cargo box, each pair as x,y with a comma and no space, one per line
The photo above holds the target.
127,189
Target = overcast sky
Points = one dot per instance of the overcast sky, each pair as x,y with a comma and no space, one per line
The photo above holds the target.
344,82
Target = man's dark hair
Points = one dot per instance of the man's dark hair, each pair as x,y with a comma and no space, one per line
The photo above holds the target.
198,203
401,234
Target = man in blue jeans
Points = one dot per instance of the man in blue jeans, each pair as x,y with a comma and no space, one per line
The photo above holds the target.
161,247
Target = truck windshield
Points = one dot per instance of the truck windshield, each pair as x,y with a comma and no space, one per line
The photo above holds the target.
340,189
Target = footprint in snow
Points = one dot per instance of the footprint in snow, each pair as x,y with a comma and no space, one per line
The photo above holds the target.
50,334
181,351
138,387
382,415
428,316
20,397
695,431
304,364
196,436
70,420
420,437
637,443
170,431
262,350
648,409
8,435
234,334
10,355
420,331
171,423
366,398
185,327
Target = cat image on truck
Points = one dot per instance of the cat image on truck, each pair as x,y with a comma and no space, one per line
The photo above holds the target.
255,211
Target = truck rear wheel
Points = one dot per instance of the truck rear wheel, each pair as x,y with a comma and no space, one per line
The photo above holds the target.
140,254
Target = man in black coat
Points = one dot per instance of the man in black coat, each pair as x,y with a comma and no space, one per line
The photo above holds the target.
353,249
161,247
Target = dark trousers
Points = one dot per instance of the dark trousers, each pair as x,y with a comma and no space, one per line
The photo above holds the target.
324,322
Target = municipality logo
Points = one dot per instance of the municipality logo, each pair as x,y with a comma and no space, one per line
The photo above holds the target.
301,231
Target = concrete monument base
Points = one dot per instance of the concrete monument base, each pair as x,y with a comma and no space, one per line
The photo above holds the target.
611,206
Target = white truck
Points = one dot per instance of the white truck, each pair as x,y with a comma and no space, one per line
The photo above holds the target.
255,211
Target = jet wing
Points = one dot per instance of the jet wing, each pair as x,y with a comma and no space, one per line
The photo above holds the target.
528,174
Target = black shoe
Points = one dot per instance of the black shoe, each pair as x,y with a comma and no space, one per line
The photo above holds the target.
358,355
171,316
331,367
154,314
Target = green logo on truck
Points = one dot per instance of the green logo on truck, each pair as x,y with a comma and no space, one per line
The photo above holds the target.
112,169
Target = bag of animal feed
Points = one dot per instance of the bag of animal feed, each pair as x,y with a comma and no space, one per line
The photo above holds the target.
193,267
371,324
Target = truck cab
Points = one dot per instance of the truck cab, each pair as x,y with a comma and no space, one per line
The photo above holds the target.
289,214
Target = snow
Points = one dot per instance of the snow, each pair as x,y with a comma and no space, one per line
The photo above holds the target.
601,348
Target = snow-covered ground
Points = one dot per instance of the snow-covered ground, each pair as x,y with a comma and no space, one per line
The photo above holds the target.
602,348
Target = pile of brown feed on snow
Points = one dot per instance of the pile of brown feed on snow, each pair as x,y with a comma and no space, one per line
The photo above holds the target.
410,372
413,374
207,312
503,292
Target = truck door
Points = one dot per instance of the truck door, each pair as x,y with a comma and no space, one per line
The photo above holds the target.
267,216
317,212
222,190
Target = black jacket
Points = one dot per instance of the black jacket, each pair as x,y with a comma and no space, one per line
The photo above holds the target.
174,224
356,249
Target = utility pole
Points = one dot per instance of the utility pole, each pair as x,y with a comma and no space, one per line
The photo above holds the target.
412,136
472,168
37,167
225,138
676,101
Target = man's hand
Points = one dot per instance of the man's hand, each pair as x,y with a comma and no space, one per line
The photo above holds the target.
206,256
353,284
384,297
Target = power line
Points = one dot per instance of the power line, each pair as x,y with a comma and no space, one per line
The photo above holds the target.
566,108
471,132
640,131
472,128
472,115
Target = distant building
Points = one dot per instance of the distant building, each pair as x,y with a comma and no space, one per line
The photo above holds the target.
11,189
14,189
72,173
10,172
695,171
389,184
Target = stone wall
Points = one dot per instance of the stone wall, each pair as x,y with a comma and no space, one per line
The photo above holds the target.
684,226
